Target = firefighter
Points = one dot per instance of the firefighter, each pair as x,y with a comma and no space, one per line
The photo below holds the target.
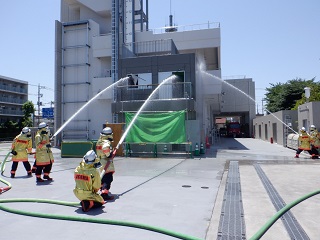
21,147
88,182
315,141
44,157
34,166
304,142
105,155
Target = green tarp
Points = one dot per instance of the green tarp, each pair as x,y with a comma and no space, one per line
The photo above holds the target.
157,127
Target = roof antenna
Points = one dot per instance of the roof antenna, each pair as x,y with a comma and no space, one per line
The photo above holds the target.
171,28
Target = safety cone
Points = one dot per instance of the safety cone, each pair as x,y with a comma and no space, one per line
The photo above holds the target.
202,151
165,149
207,142
196,150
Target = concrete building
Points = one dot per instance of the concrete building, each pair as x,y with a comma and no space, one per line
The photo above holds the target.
14,93
238,101
280,125
100,42
308,114
276,127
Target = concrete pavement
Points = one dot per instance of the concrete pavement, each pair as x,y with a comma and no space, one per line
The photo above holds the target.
182,195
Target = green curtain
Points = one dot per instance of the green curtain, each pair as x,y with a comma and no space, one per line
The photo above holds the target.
157,127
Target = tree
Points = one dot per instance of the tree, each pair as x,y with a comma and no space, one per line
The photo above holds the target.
314,95
286,96
28,109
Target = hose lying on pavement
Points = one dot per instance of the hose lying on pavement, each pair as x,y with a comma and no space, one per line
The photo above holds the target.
3,164
7,188
83,219
2,168
279,214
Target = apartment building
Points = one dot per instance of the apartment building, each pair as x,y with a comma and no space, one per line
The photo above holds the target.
13,94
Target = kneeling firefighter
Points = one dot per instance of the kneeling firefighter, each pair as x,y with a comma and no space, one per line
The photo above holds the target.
88,182
105,155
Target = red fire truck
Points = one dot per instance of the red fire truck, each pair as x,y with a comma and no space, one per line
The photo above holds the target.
233,129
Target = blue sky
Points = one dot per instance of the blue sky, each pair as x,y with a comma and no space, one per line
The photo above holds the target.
268,41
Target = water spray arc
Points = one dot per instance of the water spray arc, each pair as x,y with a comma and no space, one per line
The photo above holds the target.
85,105
172,77
239,90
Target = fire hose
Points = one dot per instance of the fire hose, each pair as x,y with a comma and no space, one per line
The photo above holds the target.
82,219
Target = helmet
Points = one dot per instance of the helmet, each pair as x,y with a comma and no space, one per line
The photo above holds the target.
106,131
312,127
25,130
90,157
42,125
303,129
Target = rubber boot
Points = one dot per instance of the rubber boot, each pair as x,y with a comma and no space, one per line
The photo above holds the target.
86,205
39,179
47,177
105,195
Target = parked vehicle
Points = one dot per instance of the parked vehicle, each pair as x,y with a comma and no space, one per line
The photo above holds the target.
233,129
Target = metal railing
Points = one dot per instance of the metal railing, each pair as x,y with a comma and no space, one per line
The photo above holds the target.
12,100
11,112
184,28
13,89
160,47
179,90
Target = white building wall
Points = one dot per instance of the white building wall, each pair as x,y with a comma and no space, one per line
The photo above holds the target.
100,40
199,39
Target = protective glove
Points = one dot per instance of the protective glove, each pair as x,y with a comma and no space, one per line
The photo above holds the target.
14,152
48,145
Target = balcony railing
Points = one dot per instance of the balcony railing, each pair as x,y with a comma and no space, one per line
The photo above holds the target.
159,47
184,28
12,100
13,89
168,91
11,112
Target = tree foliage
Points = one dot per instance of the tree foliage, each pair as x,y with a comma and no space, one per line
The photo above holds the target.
28,109
10,129
289,95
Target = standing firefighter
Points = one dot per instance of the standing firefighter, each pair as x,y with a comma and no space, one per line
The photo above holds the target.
105,155
88,182
304,142
44,156
315,141
21,147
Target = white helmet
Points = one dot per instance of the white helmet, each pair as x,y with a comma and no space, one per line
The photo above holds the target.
312,127
106,131
25,130
90,157
42,125
303,129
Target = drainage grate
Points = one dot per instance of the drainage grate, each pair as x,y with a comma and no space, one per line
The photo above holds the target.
294,229
232,225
